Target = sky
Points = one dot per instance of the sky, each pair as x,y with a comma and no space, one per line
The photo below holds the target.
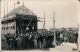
66,12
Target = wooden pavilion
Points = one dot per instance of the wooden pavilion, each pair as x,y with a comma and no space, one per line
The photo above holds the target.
19,20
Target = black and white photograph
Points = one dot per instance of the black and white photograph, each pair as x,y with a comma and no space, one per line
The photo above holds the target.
51,26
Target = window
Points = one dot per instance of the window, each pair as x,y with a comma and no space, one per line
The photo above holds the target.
2,28
7,28
13,27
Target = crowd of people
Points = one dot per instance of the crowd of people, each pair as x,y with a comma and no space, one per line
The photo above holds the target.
38,40
29,41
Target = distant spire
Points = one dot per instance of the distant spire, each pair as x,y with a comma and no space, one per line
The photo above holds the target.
54,17
23,3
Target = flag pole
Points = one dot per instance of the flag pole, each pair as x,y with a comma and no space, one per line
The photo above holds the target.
14,8
4,17
7,8
18,3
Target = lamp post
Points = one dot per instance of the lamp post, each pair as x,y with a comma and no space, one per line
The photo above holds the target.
54,30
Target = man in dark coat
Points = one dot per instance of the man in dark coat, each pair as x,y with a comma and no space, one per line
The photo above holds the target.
76,37
58,37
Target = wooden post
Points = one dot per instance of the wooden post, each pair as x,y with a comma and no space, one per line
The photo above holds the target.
79,30
7,18
78,44
78,34
44,22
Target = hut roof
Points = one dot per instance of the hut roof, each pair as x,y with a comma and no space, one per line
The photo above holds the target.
20,10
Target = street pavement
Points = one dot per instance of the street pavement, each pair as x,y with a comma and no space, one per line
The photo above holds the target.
64,47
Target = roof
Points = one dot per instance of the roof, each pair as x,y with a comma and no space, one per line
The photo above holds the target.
21,10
